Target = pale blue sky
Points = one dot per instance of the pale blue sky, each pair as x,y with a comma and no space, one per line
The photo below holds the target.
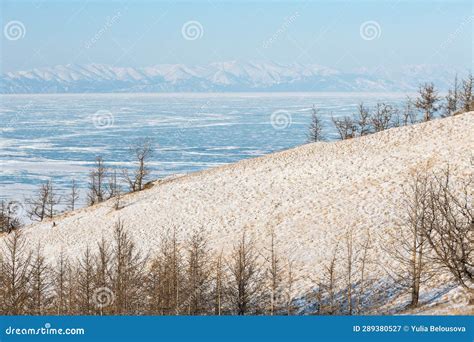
143,33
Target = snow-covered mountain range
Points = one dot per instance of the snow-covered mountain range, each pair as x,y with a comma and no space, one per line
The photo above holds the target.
218,77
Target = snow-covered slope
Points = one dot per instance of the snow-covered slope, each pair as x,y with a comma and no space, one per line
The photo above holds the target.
310,195
214,77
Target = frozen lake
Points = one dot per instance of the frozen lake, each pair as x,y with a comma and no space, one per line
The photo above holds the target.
44,136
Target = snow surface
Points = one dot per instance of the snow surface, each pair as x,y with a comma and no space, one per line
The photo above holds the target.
311,195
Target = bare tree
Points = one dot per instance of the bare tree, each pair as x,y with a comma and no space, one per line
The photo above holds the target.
73,196
198,273
15,262
113,186
127,277
219,284
71,289
103,271
8,216
466,94
363,119
115,190
382,116
85,284
245,276
174,262
153,287
168,279
142,152
346,127
289,287
416,206
319,297
406,242
349,269
365,248
450,228
52,201
37,205
408,113
427,101
329,285
315,132
274,275
39,284
452,99
61,286
97,182
43,204
118,199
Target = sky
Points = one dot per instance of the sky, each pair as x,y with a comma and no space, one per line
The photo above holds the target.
344,35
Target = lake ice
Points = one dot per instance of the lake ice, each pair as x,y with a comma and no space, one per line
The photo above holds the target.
44,136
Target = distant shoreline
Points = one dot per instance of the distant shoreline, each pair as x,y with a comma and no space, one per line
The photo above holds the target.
229,94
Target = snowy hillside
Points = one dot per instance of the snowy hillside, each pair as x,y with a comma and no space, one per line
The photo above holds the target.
216,77
311,196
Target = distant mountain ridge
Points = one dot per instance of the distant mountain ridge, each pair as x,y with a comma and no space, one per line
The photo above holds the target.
218,77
